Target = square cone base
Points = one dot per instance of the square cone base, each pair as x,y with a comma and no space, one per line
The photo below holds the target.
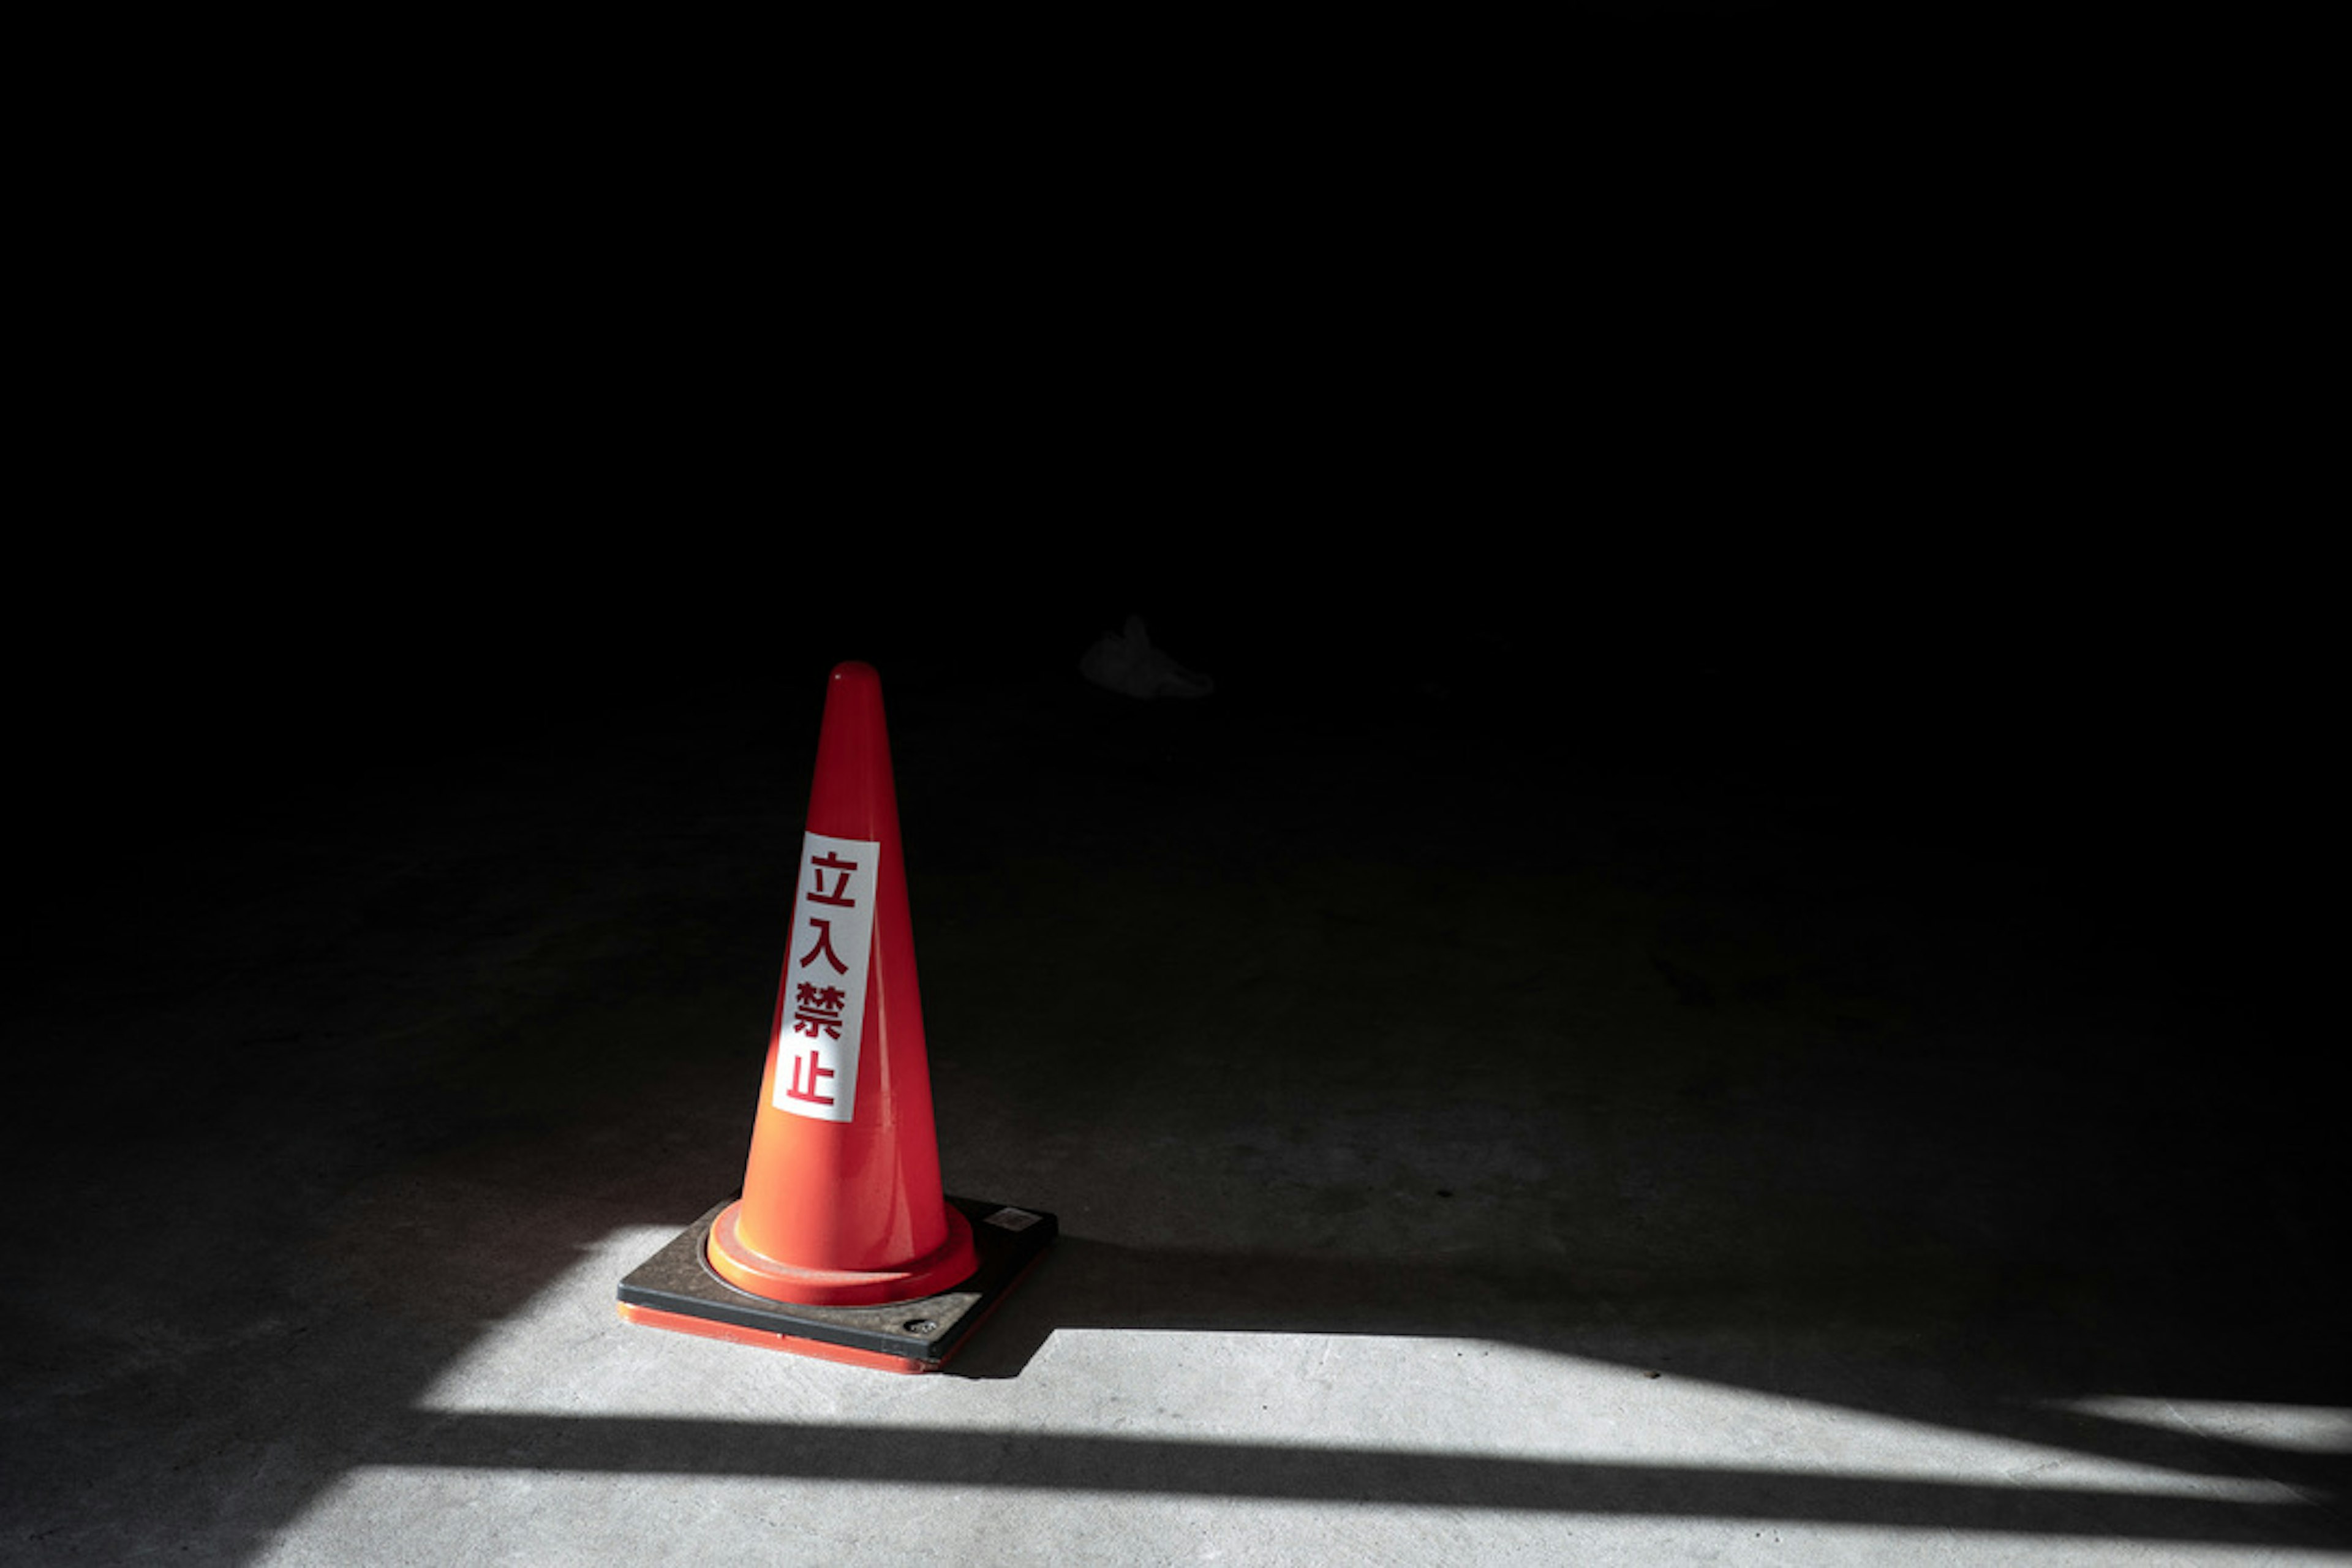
677,1288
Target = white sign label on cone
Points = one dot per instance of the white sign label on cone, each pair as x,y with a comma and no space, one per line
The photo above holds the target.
832,951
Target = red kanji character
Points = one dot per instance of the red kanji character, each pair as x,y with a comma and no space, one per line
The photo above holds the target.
824,946
820,866
813,1006
814,1073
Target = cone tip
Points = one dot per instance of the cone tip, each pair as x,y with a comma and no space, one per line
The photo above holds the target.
855,672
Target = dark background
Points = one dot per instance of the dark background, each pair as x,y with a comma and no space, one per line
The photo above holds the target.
1858,421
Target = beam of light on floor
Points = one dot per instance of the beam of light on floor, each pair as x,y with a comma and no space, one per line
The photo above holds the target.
562,1393
2298,1429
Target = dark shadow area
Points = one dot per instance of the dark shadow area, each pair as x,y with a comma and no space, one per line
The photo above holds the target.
1389,1477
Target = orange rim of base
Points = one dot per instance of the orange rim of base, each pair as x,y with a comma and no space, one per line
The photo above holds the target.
766,1339
736,1261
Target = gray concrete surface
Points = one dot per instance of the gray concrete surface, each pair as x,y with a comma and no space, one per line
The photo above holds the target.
1492,1121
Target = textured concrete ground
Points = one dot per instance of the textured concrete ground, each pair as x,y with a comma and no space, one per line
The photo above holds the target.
1502,1107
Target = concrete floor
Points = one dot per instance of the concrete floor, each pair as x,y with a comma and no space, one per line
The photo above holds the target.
1491,1121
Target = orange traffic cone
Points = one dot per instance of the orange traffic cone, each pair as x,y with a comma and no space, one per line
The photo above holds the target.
842,1244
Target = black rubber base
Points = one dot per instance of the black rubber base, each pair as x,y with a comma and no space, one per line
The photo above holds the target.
927,1331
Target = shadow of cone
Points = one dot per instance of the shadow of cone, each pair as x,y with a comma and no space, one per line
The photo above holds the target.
842,1244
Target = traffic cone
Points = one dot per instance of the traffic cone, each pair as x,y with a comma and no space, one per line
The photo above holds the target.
842,1244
